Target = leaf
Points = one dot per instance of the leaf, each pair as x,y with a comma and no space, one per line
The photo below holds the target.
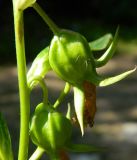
5,141
83,148
101,43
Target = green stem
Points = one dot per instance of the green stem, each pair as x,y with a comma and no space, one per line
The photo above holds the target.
23,88
45,17
62,95
43,86
37,154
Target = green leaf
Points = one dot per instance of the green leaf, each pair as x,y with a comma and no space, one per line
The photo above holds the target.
83,148
5,141
101,43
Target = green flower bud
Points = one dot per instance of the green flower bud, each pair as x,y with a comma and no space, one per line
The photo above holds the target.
5,141
40,66
49,129
70,56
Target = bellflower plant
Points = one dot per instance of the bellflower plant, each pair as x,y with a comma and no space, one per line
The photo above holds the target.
70,56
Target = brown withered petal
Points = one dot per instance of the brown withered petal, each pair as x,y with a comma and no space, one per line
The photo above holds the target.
90,103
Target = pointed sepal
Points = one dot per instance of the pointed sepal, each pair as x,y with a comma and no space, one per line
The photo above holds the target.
79,100
5,141
112,80
109,52
101,43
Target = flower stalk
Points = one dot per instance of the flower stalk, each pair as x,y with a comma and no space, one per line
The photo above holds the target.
37,154
44,16
22,80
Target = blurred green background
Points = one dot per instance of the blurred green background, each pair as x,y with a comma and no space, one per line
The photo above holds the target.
92,18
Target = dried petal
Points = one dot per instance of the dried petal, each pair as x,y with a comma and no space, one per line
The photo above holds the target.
90,103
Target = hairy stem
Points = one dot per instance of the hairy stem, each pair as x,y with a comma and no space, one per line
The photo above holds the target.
23,87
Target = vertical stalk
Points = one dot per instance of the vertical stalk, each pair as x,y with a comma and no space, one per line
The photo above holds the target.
23,88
